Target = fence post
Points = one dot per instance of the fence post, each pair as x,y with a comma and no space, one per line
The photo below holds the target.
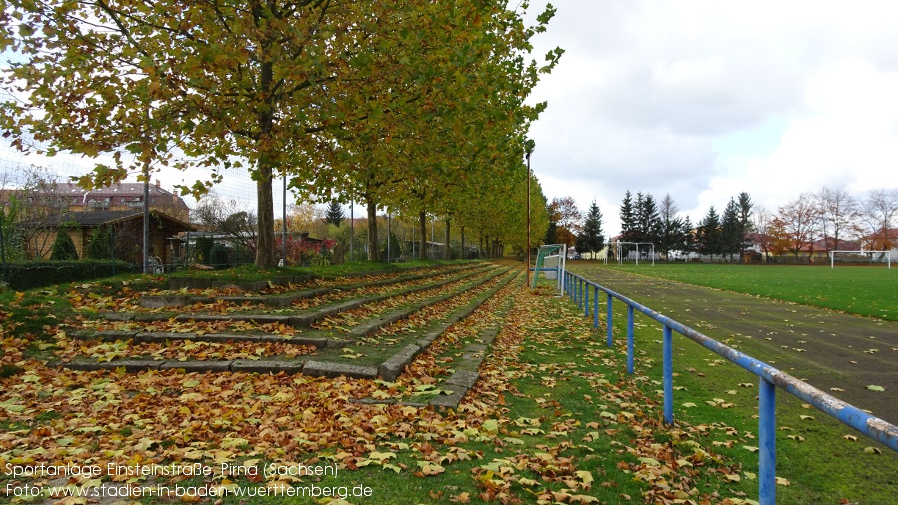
608,318
668,375
586,300
595,308
767,443
631,340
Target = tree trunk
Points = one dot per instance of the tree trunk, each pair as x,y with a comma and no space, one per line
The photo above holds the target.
373,253
265,241
464,255
423,221
446,255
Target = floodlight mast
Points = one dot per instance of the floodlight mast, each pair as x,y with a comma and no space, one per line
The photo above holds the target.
528,150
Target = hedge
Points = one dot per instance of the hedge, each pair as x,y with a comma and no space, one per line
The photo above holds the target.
35,274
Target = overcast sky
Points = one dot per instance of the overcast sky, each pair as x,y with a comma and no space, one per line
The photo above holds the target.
706,99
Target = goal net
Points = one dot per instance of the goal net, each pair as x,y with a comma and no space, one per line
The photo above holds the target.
860,258
550,260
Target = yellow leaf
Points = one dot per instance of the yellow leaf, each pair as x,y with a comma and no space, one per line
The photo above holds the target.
584,475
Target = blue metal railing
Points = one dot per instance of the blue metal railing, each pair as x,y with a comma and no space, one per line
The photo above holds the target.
577,288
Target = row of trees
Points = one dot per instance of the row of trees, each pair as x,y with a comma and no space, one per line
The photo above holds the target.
644,220
831,216
407,105
834,217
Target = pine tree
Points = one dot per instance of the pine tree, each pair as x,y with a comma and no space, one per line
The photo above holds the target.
649,220
627,222
591,237
745,226
674,232
708,236
63,247
334,213
731,237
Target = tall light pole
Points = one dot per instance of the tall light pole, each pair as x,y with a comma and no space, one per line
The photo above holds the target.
528,147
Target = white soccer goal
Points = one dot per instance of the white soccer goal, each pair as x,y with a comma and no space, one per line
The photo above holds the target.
860,257
551,261
619,250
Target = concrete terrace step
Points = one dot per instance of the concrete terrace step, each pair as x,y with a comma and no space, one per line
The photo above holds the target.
282,300
459,383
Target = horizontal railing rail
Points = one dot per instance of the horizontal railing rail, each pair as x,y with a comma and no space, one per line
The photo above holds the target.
578,289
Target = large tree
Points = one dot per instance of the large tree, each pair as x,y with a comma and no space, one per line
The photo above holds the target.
564,213
648,219
267,86
797,224
880,212
334,213
674,233
745,224
731,236
839,212
708,237
591,238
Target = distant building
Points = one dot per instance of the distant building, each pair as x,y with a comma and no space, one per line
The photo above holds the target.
62,197
50,207
127,227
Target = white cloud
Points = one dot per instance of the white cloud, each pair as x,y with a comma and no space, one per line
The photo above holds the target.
705,99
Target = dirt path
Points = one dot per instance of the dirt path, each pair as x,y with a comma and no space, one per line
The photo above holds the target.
827,349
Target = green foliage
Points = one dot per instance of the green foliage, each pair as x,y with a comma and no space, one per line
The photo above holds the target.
63,247
591,238
395,247
35,274
203,247
100,244
427,104
12,244
334,213
218,256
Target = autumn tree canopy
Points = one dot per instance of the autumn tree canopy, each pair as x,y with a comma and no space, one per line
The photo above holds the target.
346,97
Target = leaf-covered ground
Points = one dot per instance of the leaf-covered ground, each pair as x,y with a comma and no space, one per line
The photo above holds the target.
553,419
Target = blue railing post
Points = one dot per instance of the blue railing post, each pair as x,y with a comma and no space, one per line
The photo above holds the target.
595,308
668,375
767,443
631,340
585,300
608,319
580,293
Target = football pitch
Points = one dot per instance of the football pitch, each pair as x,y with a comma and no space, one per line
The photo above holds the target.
836,329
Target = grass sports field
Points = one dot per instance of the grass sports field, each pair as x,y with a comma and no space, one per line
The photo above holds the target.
799,319
865,291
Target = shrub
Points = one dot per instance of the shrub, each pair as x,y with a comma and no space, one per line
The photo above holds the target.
218,256
100,244
63,248
203,248
36,274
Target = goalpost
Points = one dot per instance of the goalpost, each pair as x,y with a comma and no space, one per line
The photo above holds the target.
551,260
618,253
861,256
